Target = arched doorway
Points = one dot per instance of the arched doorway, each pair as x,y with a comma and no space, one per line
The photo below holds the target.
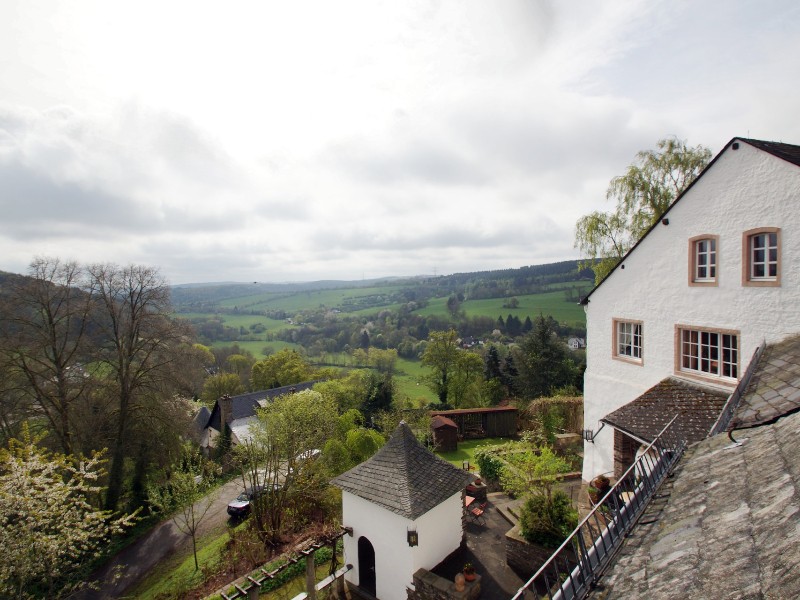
366,565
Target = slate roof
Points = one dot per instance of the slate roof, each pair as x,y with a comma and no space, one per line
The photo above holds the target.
729,530
404,477
774,389
787,152
727,525
245,405
698,408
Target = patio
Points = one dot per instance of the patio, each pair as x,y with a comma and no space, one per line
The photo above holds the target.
485,545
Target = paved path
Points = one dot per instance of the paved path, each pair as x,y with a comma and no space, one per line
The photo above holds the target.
160,543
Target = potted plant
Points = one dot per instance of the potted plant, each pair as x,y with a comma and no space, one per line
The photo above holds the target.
469,572
594,494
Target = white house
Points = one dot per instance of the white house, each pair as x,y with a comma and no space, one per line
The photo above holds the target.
674,326
238,413
405,507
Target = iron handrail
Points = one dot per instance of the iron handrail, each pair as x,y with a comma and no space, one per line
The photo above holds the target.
575,567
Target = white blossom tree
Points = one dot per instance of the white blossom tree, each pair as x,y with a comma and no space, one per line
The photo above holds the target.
49,530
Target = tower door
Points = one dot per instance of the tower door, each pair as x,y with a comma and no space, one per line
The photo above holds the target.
366,565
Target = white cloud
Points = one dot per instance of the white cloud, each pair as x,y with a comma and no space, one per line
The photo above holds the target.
287,141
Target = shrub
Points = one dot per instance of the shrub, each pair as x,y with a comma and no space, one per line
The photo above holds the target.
489,464
548,521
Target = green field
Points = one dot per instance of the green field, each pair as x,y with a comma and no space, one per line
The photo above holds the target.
407,376
550,303
346,300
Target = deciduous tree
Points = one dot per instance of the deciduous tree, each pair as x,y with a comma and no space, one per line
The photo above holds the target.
138,338
642,194
49,530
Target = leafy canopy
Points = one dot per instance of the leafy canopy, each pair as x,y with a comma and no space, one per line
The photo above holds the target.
643,193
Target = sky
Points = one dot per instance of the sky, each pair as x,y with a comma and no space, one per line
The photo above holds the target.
295,141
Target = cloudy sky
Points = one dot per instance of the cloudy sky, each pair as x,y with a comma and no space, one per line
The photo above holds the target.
292,141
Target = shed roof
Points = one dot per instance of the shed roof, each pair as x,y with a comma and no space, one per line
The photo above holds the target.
404,477
439,421
466,411
697,407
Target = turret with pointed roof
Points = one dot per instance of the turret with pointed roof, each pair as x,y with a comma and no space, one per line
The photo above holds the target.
404,477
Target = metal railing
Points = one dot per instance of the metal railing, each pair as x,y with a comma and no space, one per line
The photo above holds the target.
732,403
575,567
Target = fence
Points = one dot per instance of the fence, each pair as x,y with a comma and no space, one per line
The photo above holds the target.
573,570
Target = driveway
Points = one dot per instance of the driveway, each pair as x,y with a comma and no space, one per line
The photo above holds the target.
137,560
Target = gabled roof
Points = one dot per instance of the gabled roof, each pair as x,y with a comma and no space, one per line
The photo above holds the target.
787,152
697,408
439,421
729,527
404,477
245,405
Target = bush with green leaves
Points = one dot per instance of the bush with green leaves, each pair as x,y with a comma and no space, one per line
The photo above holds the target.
548,521
489,465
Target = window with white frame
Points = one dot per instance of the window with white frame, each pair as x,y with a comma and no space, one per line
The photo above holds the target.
703,260
709,353
628,340
761,258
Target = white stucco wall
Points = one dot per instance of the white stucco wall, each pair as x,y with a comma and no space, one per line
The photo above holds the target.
743,189
439,530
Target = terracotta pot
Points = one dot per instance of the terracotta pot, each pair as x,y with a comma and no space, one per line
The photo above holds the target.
469,576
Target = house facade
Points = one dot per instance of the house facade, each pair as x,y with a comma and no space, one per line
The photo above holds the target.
715,278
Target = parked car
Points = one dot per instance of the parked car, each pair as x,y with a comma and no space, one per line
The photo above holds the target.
241,506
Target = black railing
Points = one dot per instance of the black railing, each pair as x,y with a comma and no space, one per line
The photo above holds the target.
733,400
573,570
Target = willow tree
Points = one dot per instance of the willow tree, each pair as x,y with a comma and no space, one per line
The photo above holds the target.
642,194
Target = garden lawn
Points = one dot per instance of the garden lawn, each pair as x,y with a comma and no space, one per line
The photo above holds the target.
466,450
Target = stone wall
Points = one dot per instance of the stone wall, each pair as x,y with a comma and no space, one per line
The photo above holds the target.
429,586
525,558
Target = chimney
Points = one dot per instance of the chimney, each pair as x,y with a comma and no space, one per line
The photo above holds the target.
225,411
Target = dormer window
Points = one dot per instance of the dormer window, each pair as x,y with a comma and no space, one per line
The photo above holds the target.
703,260
761,257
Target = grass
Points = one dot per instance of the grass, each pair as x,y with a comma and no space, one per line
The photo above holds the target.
346,300
406,379
466,450
552,303
175,576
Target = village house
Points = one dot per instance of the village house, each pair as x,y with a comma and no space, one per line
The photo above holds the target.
673,328
239,413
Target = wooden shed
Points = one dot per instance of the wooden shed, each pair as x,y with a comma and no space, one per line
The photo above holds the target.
496,421
445,434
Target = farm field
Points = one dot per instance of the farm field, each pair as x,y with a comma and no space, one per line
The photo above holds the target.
345,299
550,303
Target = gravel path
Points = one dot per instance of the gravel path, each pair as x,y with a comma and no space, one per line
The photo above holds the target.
160,543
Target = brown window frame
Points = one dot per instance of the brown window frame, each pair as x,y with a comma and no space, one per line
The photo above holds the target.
615,354
694,281
748,279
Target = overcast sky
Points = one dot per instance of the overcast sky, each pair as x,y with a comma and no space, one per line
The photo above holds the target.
293,141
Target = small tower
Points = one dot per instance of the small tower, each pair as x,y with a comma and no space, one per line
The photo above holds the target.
405,506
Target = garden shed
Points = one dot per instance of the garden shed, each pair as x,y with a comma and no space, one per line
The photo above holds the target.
496,421
445,434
